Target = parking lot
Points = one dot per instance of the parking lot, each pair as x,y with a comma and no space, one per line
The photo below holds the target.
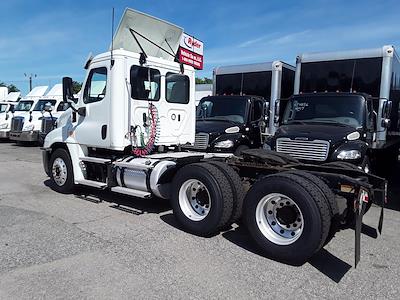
107,245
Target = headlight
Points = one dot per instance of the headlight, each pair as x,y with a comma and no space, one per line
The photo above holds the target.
4,126
28,127
349,154
353,136
224,144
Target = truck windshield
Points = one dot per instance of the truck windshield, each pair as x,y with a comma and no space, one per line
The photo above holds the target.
41,104
3,107
223,108
24,106
342,110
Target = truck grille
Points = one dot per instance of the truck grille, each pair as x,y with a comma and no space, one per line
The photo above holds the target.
200,142
17,123
302,149
47,125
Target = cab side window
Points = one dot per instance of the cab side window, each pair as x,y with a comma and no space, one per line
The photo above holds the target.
96,85
177,88
257,110
145,83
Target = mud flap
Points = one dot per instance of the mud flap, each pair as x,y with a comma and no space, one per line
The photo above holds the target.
359,210
384,199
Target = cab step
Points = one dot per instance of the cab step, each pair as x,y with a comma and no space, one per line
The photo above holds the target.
92,183
131,192
97,160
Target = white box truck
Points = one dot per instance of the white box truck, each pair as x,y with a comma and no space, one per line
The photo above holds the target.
125,132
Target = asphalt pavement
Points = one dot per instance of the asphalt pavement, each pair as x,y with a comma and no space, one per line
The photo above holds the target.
110,246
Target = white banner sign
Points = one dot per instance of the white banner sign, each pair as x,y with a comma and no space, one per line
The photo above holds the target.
190,43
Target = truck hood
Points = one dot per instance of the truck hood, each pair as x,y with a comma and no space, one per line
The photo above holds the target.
212,126
332,133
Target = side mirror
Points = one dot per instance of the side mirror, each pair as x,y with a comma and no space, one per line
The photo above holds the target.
48,107
30,116
266,112
12,109
82,111
386,123
68,93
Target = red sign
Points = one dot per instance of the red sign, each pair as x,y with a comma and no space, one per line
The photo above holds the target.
190,58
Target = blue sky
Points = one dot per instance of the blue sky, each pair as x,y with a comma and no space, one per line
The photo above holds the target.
53,38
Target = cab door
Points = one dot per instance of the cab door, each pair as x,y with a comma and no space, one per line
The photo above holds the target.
93,128
256,117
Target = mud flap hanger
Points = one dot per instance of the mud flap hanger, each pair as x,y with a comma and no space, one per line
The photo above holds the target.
360,204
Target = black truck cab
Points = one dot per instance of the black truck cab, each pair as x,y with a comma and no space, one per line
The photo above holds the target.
230,124
324,127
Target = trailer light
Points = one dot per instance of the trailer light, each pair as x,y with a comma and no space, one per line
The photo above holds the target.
349,154
4,126
234,129
353,136
224,144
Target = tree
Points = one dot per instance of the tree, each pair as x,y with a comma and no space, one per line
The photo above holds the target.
76,86
204,80
11,87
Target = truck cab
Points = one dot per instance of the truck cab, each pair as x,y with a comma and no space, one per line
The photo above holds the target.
336,93
230,123
6,106
323,127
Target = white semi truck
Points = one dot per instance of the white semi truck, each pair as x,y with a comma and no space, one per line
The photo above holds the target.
7,104
26,104
47,106
125,132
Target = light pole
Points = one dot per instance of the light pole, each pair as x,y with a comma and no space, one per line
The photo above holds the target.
30,79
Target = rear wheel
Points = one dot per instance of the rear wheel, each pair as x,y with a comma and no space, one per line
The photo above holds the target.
61,171
287,216
201,199
237,189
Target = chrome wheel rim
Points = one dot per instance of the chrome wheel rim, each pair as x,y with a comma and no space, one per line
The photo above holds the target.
194,200
279,219
59,171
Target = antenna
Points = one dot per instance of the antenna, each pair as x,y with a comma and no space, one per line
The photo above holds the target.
112,38
352,76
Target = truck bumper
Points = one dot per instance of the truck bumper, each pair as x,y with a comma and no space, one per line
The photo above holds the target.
24,136
4,134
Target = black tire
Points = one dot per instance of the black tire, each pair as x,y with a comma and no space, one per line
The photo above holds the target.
329,197
313,206
237,189
68,186
220,193
240,149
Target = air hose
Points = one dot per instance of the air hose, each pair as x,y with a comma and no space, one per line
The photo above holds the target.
146,148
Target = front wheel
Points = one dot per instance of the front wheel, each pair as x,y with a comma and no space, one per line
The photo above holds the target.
61,171
288,217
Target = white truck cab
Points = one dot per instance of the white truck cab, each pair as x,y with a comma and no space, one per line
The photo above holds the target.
6,106
22,114
46,107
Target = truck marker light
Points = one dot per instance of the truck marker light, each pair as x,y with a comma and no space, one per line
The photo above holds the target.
234,129
353,136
